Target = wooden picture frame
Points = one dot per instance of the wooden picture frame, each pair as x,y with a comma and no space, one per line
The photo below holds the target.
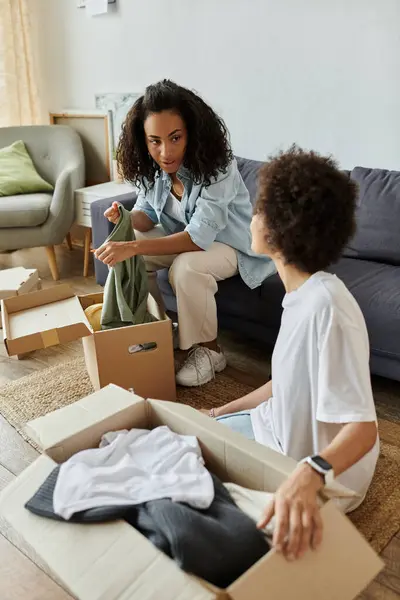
95,130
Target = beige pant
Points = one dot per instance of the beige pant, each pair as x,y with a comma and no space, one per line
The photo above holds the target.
193,277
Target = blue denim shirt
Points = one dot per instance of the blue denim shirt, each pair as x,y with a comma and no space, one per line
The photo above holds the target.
221,212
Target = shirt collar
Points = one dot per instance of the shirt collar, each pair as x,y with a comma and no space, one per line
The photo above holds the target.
183,172
303,291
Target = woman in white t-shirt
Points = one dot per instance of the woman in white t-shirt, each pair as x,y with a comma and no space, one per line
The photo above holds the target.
319,407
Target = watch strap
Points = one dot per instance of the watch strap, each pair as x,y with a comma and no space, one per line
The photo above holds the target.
326,474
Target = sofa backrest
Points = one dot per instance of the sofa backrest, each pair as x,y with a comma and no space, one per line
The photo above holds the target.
378,211
378,216
249,171
52,148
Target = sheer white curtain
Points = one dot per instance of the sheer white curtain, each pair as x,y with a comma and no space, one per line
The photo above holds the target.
19,98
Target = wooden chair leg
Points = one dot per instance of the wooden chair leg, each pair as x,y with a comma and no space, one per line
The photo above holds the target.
51,257
69,241
86,257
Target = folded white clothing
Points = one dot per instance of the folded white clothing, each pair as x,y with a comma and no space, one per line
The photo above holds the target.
110,436
136,466
251,502
254,502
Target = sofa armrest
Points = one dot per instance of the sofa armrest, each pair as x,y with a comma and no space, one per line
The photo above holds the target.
101,227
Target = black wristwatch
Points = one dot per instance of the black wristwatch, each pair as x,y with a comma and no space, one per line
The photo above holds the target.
321,466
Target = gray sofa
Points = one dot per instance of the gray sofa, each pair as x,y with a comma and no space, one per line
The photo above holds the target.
370,267
30,220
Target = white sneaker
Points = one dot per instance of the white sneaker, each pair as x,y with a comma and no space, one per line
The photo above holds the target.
200,367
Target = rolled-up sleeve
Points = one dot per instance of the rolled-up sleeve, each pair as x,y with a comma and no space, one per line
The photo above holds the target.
144,206
212,208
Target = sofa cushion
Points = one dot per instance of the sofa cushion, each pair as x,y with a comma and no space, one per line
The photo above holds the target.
376,287
249,171
24,210
262,306
378,216
236,299
18,174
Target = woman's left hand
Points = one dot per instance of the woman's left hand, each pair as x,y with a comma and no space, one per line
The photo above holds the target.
112,253
298,520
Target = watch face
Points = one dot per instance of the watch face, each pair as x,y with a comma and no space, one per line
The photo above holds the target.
322,463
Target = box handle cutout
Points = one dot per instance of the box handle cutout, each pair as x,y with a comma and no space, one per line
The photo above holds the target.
135,348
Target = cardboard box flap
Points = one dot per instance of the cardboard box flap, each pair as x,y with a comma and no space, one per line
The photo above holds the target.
257,451
280,466
90,299
53,428
229,446
111,561
42,319
343,566
17,281
38,298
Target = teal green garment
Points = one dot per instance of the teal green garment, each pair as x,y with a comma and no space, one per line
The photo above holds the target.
126,290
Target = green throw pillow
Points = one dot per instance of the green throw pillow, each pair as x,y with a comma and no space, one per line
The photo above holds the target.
18,174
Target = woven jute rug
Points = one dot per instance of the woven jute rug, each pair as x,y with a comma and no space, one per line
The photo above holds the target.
33,396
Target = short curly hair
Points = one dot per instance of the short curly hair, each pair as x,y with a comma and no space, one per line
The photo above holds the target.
309,208
208,150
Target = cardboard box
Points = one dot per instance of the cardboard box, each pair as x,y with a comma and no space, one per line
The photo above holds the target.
17,281
113,561
56,316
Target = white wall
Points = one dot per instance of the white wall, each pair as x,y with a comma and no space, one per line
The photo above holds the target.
322,73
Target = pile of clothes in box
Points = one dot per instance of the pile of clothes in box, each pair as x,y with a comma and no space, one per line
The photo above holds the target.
156,480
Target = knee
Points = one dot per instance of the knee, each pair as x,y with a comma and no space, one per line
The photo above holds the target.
184,264
149,234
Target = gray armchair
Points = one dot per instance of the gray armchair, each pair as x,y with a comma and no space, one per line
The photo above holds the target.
31,220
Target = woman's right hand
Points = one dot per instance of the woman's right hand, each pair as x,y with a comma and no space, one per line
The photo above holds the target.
112,213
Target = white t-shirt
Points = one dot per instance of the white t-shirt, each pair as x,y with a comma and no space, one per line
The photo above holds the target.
173,208
135,467
320,378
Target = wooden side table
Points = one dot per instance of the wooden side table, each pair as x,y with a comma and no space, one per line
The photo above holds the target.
83,199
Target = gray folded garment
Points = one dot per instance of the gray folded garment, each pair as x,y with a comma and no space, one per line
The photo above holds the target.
218,544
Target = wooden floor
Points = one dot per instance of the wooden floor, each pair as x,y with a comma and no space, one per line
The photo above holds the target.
20,578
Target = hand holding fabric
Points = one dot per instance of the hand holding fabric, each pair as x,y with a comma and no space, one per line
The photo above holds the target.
111,253
298,519
112,213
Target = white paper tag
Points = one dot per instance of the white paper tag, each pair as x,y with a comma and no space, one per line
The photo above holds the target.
96,7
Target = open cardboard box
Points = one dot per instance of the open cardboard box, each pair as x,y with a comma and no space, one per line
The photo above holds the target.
113,561
56,316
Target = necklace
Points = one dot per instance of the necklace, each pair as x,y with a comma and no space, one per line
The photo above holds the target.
177,194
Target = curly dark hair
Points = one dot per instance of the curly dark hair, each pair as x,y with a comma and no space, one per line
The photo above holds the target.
309,208
208,149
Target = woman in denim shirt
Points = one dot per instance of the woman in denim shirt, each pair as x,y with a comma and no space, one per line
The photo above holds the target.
192,215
